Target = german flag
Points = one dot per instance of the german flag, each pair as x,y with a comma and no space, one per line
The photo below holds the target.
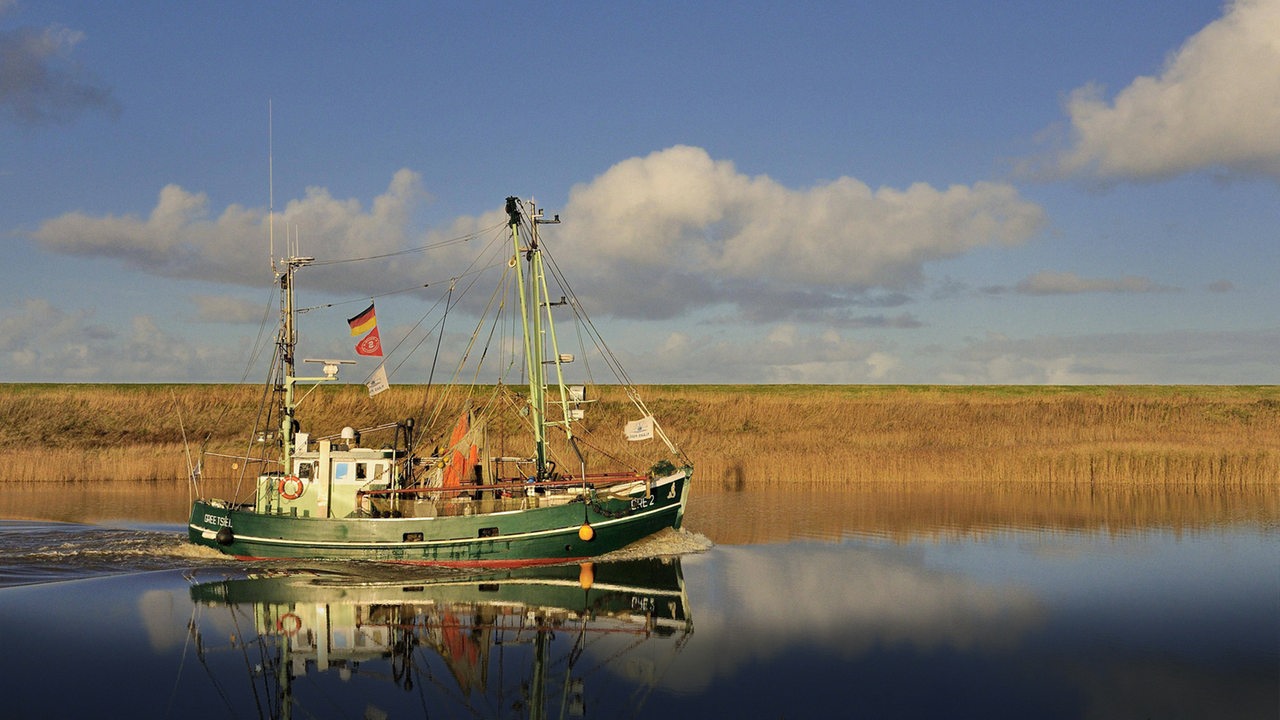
364,322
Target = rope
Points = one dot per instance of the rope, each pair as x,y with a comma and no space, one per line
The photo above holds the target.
593,501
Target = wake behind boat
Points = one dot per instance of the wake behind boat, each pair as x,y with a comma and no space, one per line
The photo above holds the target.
484,495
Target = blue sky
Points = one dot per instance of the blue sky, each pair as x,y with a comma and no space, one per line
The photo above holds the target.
873,192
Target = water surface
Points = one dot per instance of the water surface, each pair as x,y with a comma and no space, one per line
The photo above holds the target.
753,612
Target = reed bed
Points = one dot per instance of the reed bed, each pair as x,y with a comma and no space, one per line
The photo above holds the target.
1132,435
738,437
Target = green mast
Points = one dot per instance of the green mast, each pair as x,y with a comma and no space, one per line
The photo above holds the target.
532,329
535,296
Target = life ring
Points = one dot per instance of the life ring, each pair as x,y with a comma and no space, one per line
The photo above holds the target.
287,484
295,624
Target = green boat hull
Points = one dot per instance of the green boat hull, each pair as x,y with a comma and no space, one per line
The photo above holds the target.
502,539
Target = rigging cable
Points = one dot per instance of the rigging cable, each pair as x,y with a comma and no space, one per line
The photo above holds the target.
423,248
436,356
388,293
472,271
610,359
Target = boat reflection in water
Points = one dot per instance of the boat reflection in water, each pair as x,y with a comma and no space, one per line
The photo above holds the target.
534,642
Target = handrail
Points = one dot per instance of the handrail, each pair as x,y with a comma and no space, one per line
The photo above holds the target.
588,482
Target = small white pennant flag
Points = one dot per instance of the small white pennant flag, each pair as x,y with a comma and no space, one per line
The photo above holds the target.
377,382
641,429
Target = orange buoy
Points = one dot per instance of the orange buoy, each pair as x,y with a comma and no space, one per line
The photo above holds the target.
586,532
291,487
586,575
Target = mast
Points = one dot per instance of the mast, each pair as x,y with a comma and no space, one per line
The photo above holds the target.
532,330
535,298
288,342
557,358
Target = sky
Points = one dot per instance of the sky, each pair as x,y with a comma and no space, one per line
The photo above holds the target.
916,191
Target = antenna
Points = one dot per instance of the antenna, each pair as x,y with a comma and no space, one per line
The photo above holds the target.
271,190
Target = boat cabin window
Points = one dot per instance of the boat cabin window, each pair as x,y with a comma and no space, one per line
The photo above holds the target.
304,470
361,471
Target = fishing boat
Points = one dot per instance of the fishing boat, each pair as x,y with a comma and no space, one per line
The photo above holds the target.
463,489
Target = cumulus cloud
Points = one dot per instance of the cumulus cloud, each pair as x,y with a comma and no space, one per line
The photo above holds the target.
653,237
676,228
1066,283
179,238
40,81
1216,104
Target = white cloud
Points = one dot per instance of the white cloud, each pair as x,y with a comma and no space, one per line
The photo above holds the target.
1066,283
881,366
652,237
676,229
1215,105
179,239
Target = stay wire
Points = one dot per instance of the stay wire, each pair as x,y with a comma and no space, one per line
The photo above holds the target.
462,362
474,270
436,356
259,344
409,251
375,296
597,339
478,267
609,357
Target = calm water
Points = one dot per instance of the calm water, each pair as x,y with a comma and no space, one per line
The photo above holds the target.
943,618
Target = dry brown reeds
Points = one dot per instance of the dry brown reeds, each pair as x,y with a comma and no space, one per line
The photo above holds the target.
738,437
996,435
